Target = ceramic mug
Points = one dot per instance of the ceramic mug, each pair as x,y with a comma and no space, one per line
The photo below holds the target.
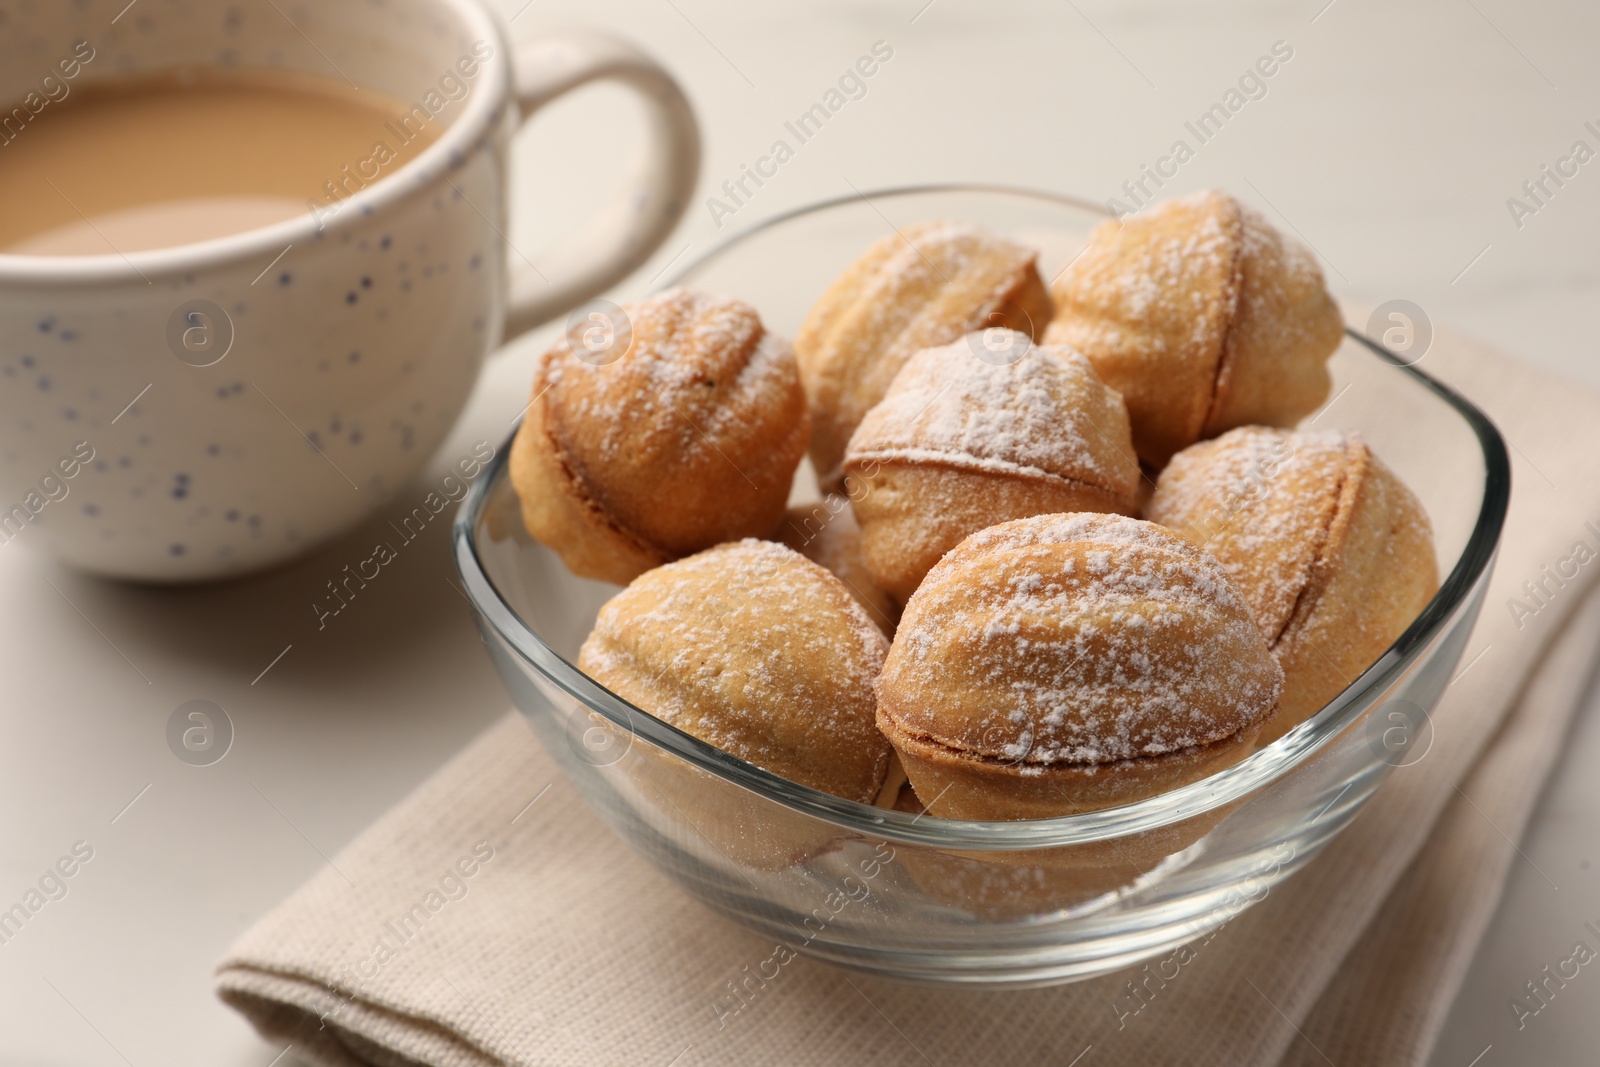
205,410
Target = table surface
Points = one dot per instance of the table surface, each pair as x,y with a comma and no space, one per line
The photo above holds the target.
1390,141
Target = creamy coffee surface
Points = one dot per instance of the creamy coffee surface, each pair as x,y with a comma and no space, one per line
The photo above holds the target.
190,156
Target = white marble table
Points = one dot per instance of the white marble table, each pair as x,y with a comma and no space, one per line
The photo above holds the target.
1390,140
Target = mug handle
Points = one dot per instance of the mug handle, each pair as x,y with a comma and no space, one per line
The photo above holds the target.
632,225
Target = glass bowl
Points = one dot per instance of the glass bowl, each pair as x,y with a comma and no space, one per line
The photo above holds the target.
988,903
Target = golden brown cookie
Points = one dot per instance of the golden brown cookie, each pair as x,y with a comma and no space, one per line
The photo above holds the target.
826,533
689,438
752,648
1332,552
1203,317
1067,663
960,443
925,285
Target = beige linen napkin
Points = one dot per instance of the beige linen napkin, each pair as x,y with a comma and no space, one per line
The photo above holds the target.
528,934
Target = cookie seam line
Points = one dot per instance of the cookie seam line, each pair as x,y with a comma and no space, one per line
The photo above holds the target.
985,759
577,487
971,464
1343,505
1224,364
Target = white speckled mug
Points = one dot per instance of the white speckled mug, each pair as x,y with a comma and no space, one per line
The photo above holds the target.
205,410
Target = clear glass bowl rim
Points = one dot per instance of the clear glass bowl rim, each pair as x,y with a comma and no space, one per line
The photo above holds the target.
1250,774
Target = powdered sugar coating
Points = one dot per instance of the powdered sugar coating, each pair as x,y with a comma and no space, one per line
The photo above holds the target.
1332,551
757,650
827,534
1294,280
1167,267
1079,638
682,340
925,285
1045,413
687,438
930,257
1262,501
1157,282
1150,301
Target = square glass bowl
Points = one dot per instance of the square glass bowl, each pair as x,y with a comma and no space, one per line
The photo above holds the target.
989,903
